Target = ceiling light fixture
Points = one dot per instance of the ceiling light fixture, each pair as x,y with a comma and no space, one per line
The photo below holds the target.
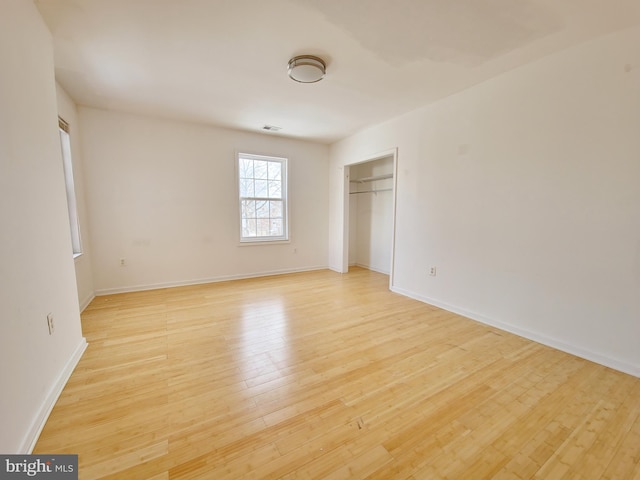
306,69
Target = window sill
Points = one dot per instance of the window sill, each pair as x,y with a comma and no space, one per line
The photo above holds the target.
254,243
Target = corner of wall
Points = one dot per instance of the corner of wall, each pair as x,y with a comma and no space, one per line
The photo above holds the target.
51,398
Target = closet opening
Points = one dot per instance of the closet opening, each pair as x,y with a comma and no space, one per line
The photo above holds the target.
370,211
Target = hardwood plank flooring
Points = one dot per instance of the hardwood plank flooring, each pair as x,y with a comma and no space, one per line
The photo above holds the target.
322,375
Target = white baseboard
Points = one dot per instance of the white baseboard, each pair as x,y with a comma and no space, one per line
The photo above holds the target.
50,400
369,267
85,303
613,363
199,281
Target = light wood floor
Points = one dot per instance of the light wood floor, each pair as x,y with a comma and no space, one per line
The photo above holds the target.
321,375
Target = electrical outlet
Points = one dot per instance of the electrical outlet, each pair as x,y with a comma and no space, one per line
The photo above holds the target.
123,262
432,271
50,323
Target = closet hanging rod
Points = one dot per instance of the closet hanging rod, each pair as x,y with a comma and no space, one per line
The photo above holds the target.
372,191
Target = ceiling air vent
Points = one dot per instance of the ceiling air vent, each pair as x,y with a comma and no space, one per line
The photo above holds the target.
271,128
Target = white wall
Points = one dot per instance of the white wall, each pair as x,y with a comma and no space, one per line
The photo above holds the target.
36,255
525,193
162,196
84,275
371,224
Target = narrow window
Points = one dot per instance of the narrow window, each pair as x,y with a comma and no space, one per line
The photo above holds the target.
71,192
263,198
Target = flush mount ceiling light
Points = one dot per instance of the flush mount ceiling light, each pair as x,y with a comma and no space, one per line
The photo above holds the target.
306,69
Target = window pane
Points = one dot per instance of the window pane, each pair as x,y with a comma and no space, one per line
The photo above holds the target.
275,209
260,169
246,168
261,188
248,209
275,189
275,169
263,227
249,227
262,209
246,187
276,227
74,223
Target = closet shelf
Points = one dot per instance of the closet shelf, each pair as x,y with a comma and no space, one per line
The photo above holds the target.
372,179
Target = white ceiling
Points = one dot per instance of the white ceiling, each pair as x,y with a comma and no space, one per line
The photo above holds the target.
223,62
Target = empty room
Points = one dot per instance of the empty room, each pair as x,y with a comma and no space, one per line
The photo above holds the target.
320,239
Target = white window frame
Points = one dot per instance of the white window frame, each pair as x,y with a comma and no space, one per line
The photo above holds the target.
253,240
72,206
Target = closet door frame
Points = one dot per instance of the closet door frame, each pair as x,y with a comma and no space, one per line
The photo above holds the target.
346,214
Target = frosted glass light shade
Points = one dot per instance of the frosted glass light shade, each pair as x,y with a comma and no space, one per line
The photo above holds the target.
306,69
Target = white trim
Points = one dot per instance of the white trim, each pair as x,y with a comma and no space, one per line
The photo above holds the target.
199,281
284,183
52,397
392,267
346,172
85,303
368,267
246,243
528,334
346,218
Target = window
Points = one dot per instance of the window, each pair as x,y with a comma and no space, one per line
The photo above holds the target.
263,198
71,192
